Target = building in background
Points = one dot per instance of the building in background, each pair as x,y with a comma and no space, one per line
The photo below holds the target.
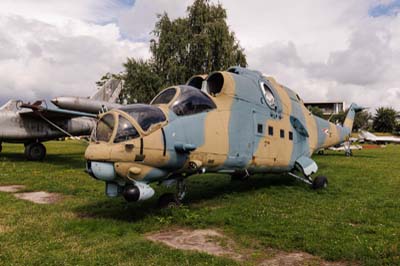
328,108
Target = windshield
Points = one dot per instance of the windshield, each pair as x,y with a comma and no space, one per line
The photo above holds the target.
164,97
104,128
145,115
126,131
192,101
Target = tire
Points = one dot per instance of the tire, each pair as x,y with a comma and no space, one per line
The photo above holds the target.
239,176
349,153
35,152
168,200
320,182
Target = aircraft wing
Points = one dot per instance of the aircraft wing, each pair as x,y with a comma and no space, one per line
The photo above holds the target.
388,139
371,137
38,110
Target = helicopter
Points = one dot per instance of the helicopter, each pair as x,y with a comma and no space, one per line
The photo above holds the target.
238,122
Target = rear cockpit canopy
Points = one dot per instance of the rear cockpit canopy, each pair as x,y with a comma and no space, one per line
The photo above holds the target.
185,100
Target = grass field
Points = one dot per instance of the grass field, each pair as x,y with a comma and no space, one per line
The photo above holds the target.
355,220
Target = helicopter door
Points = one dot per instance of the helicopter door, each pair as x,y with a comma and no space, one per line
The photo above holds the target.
266,147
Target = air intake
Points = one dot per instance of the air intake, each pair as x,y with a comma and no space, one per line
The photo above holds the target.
215,83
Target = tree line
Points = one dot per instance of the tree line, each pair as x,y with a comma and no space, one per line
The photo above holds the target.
385,119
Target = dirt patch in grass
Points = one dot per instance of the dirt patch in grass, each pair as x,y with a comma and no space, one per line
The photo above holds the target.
11,188
297,259
40,197
215,243
208,241
371,146
4,229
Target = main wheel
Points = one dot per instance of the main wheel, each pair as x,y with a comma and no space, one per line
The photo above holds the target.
168,200
320,182
35,151
239,176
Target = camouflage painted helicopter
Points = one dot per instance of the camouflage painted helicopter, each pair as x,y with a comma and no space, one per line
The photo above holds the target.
238,121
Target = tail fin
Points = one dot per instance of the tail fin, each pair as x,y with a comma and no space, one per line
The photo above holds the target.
109,92
348,122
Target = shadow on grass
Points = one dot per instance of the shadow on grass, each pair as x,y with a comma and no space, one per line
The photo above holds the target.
355,155
199,190
73,160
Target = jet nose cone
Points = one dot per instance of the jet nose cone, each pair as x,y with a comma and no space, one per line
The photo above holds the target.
55,101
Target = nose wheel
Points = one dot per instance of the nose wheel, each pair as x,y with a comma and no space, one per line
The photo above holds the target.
318,182
172,200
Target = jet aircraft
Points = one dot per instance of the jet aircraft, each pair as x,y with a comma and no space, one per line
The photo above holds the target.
369,137
238,122
32,124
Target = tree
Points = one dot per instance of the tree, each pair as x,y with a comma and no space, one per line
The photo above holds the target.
361,120
199,43
141,84
315,110
384,119
339,117
103,80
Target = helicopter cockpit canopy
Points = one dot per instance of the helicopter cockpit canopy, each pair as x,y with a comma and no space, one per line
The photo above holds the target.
147,117
185,100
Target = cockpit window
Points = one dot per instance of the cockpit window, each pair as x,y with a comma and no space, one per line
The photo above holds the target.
192,101
126,131
268,95
164,97
104,128
145,115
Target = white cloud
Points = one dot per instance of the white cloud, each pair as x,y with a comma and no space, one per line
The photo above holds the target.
46,60
137,22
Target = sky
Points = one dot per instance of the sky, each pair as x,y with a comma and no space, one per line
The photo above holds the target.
323,49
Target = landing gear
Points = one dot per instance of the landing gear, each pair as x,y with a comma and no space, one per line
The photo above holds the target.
168,200
241,175
1,146
318,182
171,200
347,149
35,151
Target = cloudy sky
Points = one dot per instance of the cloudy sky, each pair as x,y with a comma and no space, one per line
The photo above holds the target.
323,49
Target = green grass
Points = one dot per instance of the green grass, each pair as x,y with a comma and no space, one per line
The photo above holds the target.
357,219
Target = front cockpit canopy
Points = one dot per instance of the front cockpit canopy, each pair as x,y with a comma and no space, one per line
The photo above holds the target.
104,129
185,100
147,118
